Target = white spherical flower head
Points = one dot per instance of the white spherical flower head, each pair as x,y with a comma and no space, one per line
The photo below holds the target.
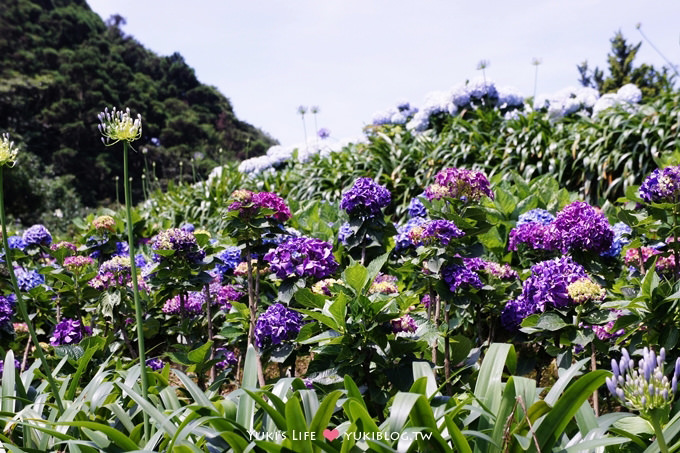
8,152
119,126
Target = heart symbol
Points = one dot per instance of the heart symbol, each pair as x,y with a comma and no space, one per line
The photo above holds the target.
331,434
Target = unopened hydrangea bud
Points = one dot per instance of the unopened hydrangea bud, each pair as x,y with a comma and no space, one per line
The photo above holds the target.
585,289
104,222
8,152
116,126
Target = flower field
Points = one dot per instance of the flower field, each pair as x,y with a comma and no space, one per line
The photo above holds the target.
474,275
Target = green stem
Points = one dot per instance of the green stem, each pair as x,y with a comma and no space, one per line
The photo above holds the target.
135,288
654,421
22,305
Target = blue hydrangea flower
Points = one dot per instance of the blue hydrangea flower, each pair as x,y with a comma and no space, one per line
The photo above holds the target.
538,215
663,185
16,242
344,232
69,331
302,257
7,308
621,238
28,279
155,363
37,235
403,239
227,260
458,276
416,208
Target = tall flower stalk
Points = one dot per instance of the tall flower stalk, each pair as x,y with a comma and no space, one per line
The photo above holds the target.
8,155
118,126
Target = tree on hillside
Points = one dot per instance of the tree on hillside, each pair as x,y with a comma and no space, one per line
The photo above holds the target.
622,71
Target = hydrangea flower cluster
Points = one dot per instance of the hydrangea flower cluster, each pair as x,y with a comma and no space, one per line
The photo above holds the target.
466,185
77,264
7,308
16,242
538,215
302,257
621,238
404,239
28,279
501,271
104,223
534,235
435,232
69,331
416,208
323,287
662,186
395,115
546,287
225,295
404,324
580,226
155,363
228,357
605,332
384,284
193,304
115,272
276,325
344,233
181,242
365,199
242,268
227,260
460,276
65,245
645,387
249,203
37,235
584,289
638,256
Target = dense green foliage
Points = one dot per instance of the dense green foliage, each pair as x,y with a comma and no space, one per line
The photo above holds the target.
61,65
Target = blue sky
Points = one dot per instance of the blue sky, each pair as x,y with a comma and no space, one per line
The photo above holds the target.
352,58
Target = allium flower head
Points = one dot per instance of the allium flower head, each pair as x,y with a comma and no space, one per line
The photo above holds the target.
366,198
37,235
645,387
302,257
8,152
461,183
277,325
662,186
323,133
116,126
69,331
104,223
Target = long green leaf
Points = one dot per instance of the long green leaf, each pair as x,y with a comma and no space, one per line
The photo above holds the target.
554,423
8,388
246,405
113,434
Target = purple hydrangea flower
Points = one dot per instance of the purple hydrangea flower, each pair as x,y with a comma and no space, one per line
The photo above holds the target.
403,239
69,331
404,324
302,257
580,226
155,363
663,185
459,276
504,271
37,235
224,295
277,325
228,357
193,304
440,231
466,185
534,235
188,227
366,198
28,279
181,242
546,287
7,308
77,263
17,366
248,203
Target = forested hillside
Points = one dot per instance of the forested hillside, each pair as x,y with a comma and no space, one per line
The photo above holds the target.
61,65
